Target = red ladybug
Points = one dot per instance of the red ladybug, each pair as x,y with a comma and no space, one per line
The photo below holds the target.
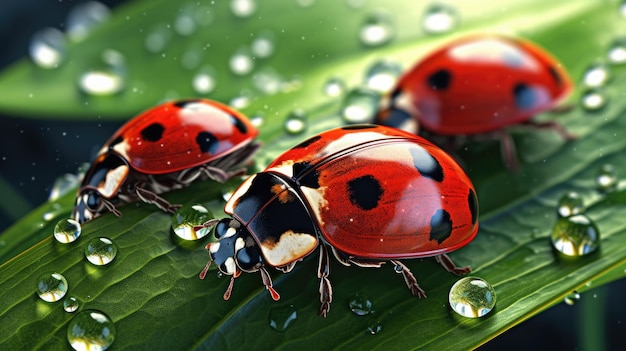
478,85
165,148
368,193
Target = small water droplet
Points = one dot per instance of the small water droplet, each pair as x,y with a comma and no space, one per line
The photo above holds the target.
257,120
472,297
241,63
241,101
204,81
576,235
593,99
374,327
267,81
382,76
572,298
91,330
596,76
439,19
67,230
360,106
617,52
83,17
158,38
243,8
185,24
334,87
360,304
54,211
47,48
51,287
607,178
377,29
296,123
263,45
187,222
71,304
100,251
282,317
570,204
106,76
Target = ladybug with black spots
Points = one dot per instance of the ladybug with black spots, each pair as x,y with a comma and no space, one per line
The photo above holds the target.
479,85
164,148
369,194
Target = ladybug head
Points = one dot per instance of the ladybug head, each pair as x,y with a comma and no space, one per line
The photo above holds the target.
102,182
236,251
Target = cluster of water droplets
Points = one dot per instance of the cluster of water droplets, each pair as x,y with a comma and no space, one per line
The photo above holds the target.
574,233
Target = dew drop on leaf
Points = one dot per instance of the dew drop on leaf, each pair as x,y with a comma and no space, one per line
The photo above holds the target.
360,106
296,122
241,63
100,251
570,204
334,87
187,222
572,299
105,76
282,317
576,235
51,287
83,17
71,304
617,52
67,230
472,297
377,29
360,304
91,330
374,327
439,19
47,48
263,45
596,75
593,99
157,39
607,178
243,8
203,81
382,76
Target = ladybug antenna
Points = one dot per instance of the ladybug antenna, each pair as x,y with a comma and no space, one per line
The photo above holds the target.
267,281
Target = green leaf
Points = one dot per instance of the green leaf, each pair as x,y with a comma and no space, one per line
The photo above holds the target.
151,290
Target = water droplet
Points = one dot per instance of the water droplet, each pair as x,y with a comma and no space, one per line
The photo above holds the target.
360,304
67,230
54,211
622,8
575,235
334,87
296,123
374,327
241,101
106,76
263,45
282,317
187,222
570,204
267,81
377,29
241,63
91,330
439,19
185,24
71,304
47,48
83,17
572,298
100,251
51,287
158,38
62,185
472,297
243,8
607,178
617,52
593,99
596,76
360,106
382,76
257,120
204,81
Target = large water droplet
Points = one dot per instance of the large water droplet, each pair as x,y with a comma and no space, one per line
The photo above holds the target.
71,304
282,317
243,8
158,38
360,304
47,48
204,81
572,298
91,330
596,75
106,76
382,76
360,106
187,222
617,52
570,204
296,123
439,18
607,178
263,45
100,251
377,29
593,99
51,287
576,235
334,87
472,297
67,230
83,17
241,63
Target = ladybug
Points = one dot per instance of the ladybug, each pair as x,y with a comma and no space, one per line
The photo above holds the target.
369,194
479,85
164,148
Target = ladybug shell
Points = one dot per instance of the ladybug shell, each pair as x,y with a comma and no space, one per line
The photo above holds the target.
372,192
481,84
178,135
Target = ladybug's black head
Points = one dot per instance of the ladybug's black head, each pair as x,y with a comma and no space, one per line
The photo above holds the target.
235,251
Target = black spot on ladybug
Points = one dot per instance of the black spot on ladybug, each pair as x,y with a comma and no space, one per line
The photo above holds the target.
207,142
525,96
556,76
183,103
307,142
116,141
359,126
365,192
440,226
426,164
238,123
439,80
305,175
153,132
472,201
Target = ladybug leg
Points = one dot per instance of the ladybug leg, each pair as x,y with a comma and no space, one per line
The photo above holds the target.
409,278
267,281
508,150
552,125
109,205
326,289
449,265
150,197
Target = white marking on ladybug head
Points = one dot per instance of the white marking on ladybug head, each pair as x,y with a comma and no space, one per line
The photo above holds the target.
234,198
239,244
215,247
289,248
230,266
113,181
229,232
